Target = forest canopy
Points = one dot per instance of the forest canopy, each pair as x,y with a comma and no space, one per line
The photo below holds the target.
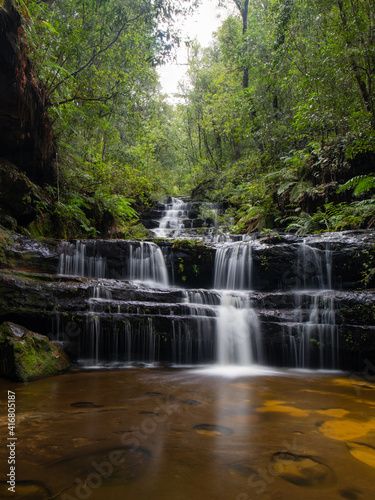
276,117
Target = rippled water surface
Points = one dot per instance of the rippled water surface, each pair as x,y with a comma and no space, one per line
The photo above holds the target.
191,434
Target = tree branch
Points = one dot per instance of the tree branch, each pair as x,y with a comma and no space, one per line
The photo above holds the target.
81,98
97,54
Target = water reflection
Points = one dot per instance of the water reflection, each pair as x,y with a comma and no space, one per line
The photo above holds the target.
193,434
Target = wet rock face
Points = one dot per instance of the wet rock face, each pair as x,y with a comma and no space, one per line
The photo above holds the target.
22,252
29,356
277,262
191,265
25,129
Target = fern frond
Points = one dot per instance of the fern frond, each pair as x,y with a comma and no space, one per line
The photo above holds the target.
360,183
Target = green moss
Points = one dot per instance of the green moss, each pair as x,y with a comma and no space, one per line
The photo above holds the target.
29,356
41,227
194,245
5,242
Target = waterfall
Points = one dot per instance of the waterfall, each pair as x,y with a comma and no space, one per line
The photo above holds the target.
73,261
146,263
181,219
233,267
172,222
314,267
238,326
201,306
242,320
238,330
315,327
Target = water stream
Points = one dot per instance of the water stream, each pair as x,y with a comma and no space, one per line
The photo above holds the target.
217,325
172,223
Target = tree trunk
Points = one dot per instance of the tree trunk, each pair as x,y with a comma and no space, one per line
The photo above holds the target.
243,7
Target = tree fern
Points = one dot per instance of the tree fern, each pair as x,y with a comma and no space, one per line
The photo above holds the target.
304,224
360,183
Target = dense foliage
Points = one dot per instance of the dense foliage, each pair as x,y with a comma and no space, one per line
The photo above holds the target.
277,116
97,60
279,113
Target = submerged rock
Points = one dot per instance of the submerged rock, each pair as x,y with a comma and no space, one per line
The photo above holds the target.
27,356
363,452
302,471
27,490
213,430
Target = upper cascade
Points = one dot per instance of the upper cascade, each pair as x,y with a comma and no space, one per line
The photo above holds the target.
187,219
172,223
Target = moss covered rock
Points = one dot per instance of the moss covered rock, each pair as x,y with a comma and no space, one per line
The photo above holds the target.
26,356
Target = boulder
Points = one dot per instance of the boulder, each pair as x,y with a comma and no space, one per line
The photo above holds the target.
27,356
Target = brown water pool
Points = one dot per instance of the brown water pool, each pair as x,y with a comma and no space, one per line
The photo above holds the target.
190,434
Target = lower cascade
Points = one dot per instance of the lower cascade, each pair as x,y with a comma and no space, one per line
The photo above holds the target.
238,331
134,315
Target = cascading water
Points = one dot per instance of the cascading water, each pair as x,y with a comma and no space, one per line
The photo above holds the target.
193,220
228,324
146,263
314,315
314,267
126,341
238,331
73,261
238,327
233,267
172,222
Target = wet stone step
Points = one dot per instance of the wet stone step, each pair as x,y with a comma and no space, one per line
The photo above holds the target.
150,308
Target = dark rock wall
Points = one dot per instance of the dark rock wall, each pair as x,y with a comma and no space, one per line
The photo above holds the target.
25,129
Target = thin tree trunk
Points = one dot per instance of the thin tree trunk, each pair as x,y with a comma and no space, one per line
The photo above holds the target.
244,10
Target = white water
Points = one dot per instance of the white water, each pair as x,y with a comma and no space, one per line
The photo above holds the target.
188,220
146,263
172,222
314,267
238,331
73,261
314,314
312,339
233,267
238,328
